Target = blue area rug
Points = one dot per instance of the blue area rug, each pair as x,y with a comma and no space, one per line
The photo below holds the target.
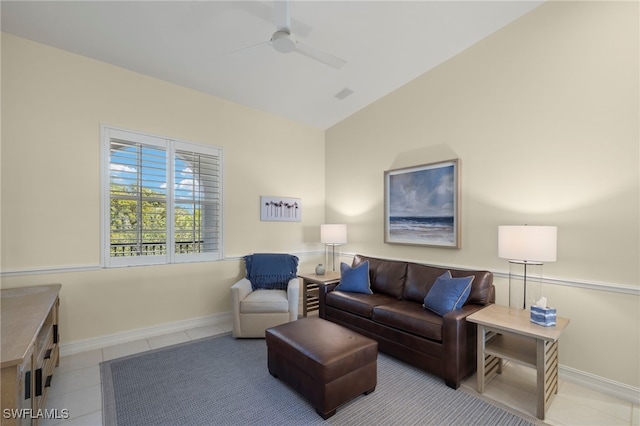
224,381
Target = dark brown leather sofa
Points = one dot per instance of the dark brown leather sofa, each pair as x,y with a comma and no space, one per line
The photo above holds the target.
394,316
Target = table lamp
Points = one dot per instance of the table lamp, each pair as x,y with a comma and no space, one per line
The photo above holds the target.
527,245
333,235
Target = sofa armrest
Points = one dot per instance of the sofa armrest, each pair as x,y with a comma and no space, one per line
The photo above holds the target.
460,314
323,289
240,290
459,344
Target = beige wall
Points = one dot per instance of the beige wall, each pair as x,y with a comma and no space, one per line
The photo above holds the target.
53,104
544,118
543,115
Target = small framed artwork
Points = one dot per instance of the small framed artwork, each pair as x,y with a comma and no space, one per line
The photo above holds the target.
421,205
280,209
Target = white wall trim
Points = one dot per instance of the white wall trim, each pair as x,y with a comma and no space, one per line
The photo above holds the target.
100,342
593,285
589,285
49,270
299,254
94,267
600,384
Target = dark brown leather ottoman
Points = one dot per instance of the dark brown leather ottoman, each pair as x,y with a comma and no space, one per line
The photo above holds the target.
326,363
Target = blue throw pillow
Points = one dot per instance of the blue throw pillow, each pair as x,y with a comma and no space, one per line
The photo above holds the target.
355,280
448,294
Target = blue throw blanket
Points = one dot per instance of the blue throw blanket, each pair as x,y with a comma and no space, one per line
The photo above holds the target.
270,270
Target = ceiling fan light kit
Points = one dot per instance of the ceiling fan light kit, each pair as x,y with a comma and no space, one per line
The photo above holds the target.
283,42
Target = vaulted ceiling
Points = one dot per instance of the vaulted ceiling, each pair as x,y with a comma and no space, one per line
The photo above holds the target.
201,45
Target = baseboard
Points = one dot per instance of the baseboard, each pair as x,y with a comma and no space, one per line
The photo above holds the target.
72,348
600,384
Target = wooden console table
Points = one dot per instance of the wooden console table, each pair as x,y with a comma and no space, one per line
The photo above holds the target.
29,351
310,283
508,333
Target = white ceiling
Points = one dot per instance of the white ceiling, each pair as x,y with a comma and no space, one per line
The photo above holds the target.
385,43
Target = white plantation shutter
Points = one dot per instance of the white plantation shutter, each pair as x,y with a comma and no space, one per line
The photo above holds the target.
145,219
197,206
138,202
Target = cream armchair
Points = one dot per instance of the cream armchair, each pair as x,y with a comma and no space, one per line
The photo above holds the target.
256,310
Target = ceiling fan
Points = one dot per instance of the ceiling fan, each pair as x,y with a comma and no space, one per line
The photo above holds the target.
283,42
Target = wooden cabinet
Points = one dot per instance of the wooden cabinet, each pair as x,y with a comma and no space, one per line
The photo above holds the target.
29,352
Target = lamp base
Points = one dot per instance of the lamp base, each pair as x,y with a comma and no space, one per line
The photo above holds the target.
525,283
332,256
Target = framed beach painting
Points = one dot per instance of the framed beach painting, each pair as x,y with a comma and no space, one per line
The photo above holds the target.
421,205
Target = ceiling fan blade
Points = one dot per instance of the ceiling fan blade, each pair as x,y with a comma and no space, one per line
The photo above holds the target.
320,56
248,48
282,14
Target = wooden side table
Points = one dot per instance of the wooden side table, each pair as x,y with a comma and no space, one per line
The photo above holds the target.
310,283
508,333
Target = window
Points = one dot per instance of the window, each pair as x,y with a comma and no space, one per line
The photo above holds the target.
148,221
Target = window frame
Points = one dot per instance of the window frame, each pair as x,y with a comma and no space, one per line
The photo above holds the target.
170,145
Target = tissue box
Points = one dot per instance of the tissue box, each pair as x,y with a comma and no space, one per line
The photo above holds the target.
543,316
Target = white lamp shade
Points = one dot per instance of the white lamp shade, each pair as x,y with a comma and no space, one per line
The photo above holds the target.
335,234
528,243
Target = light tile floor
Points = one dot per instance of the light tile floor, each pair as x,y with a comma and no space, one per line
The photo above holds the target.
574,405
76,387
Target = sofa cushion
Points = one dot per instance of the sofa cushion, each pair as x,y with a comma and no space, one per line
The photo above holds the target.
409,317
386,276
356,303
355,280
420,279
482,290
448,294
262,301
